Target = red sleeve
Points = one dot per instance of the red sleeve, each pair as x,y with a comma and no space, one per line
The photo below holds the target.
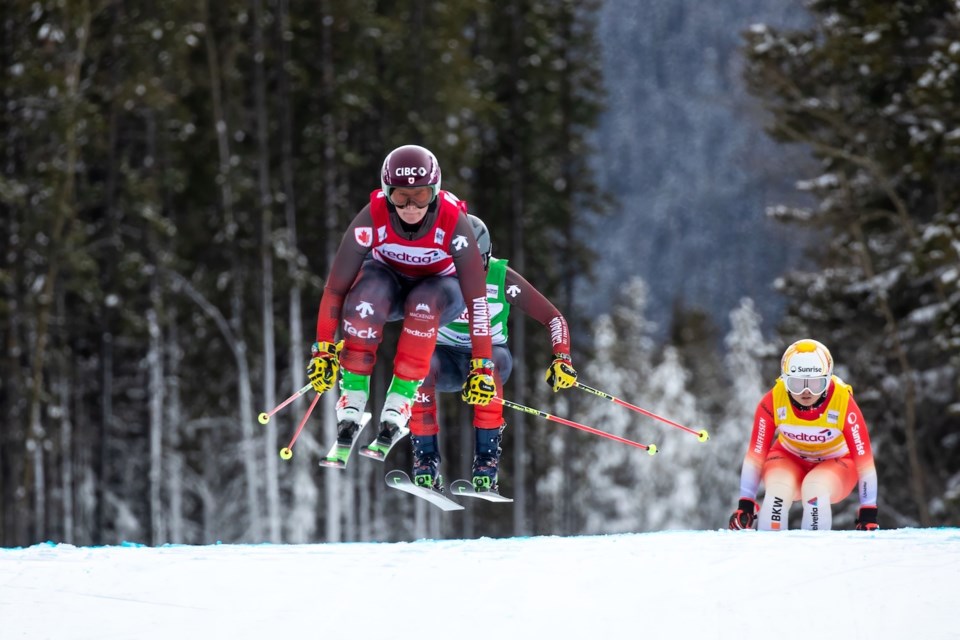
524,296
343,271
761,439
764,428
858,442
473,285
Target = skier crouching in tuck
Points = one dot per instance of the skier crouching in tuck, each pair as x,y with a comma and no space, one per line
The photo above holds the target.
450,366
809,443
408,255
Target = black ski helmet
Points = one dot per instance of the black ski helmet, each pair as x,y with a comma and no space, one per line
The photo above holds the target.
410,166
482,235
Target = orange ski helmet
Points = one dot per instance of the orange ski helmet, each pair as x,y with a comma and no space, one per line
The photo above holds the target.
806,359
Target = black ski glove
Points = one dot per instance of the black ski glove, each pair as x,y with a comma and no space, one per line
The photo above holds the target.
745,516
867,519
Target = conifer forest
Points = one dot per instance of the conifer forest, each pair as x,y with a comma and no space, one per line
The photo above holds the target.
176,176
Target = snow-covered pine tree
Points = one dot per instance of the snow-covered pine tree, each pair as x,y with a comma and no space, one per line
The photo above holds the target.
622,351
870,87
610,480
669,482
719,471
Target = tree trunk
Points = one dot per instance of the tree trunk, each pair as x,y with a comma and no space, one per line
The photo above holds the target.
98,444
173,477
334,482
67,533
518,333
64,214
156,393
304,492
208,497
156,389
106,420
238,344
266,262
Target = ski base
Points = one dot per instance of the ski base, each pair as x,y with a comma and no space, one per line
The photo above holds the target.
339,454
400,481
379,450
466,489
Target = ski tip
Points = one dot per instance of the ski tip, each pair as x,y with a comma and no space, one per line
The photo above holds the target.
462,486
333,463
396,478
466,489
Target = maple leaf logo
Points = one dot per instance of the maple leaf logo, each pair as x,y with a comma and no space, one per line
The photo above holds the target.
364,236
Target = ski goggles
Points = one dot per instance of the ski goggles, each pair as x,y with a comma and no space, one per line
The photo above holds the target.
815,385
417,196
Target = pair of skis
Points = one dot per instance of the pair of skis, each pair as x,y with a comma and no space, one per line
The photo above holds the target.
400,481
339,454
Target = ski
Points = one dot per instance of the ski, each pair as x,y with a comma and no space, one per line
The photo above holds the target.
466,489
339,453
379,449
400,481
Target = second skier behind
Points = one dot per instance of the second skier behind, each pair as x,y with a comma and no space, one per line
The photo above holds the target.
450,366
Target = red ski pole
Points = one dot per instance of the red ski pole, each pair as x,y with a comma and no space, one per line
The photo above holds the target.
702,435
650,448
287,452
264,418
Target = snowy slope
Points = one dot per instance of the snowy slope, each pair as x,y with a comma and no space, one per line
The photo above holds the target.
705,584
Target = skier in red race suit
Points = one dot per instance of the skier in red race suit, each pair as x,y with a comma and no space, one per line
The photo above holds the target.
809,443
450,363
408,255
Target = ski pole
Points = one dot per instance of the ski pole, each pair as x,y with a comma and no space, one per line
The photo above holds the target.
650,448
264,418
702,435
287,452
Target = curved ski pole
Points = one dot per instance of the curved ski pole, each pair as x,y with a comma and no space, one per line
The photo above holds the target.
650,448
264,417
287,452
702,435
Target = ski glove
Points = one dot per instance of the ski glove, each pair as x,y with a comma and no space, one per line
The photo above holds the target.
561,374
867,519
745,516
324,364
480,386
